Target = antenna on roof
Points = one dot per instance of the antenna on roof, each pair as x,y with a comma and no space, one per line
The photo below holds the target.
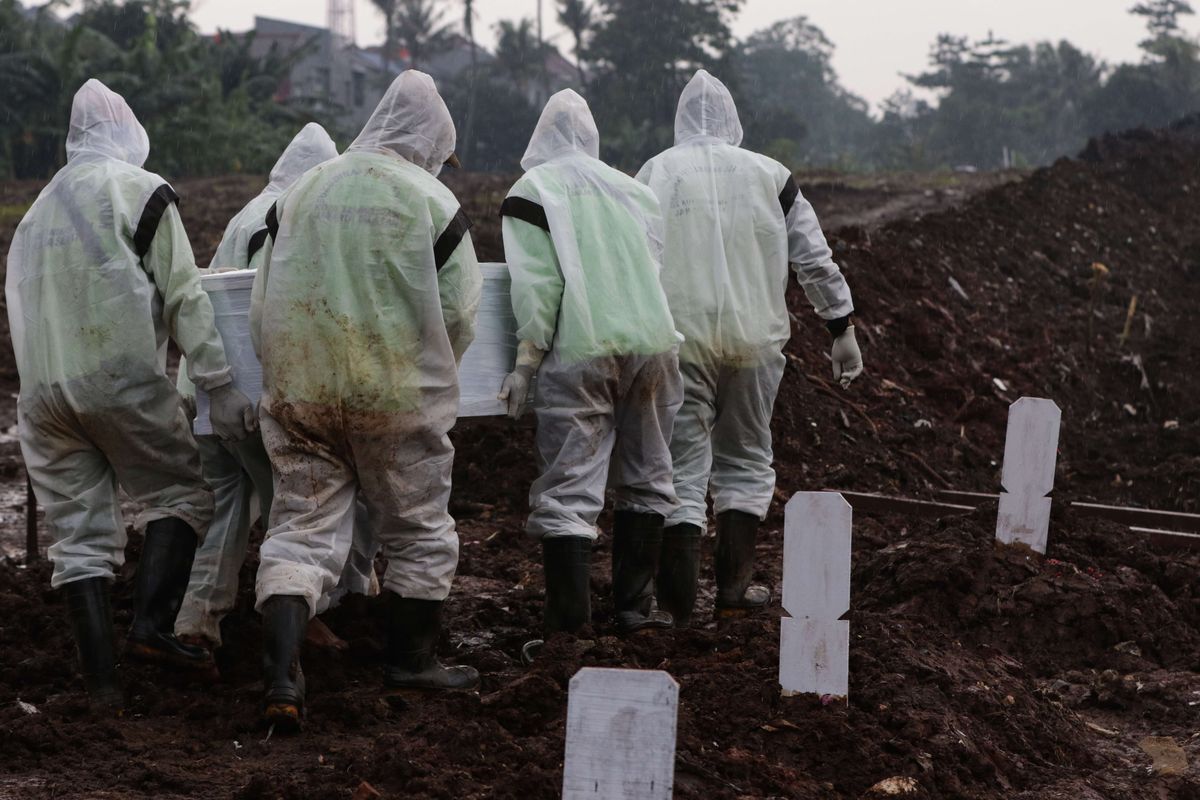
340,19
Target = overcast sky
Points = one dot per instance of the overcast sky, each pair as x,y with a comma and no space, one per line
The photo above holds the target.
876,40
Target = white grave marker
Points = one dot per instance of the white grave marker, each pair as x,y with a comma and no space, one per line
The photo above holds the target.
620,735
814,646
1030,455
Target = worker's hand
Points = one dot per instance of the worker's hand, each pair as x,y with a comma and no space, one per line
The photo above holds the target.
847,358
516,390
232,414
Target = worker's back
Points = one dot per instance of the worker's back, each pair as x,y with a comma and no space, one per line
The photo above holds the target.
606,231
351,315
726,264
80,304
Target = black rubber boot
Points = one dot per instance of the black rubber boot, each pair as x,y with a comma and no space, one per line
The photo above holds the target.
566,563
90,611
162,580
736,535
285,619
410,661
636,544
679,572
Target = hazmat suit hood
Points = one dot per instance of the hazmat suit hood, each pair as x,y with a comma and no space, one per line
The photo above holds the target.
411,121
103,124
310,147
565,127
706,110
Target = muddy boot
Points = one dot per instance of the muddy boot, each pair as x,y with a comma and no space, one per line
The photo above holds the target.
566,562
679,572
285,618
409,660
90,612
736,534
636,543
162,580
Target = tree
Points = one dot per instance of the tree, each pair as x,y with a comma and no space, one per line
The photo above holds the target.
388,9
519,53
577,16
420,28
1162,16
642,54
469,32
791,103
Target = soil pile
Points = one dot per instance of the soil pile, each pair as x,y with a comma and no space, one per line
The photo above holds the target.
975,672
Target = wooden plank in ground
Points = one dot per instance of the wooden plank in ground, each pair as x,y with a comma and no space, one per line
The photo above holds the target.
1027,478
973,499
814,647
620,735
1170,540
1142,517
882,504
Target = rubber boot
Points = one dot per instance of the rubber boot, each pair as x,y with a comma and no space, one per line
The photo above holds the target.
736,534
679,572
285,619
162,580
90,611
637,542
410,661
566,563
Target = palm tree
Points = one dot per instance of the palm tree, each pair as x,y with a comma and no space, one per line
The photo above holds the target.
577,17
388,9
519,53
469,31
419,27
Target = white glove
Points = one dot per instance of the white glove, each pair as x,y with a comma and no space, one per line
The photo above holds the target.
232,414
847,358
516,386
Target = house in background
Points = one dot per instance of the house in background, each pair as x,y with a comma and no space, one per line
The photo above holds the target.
333,75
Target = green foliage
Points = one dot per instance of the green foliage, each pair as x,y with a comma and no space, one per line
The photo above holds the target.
643,54
206,103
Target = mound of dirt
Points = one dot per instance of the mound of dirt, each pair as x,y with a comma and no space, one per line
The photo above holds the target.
976,671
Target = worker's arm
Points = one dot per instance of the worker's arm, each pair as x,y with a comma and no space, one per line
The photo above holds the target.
460,283
188,313
812,260
537,281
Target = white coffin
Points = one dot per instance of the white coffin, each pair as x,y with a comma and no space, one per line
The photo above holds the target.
485,364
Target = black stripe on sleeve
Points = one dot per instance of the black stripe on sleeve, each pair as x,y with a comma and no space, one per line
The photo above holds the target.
838,326
787,198
147,226
256,243
273,221
448,242
526,211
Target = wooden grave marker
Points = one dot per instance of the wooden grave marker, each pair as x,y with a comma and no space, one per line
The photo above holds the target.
620,735
814,645
1027,479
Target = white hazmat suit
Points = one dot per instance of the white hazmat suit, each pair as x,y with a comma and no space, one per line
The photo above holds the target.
583,243
100,274
240,472
735,220
364,302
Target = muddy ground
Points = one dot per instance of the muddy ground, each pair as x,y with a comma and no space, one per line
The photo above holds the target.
975,673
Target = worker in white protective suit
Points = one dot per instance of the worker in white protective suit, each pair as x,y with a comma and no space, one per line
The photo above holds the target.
735,220
584,247
239,471
100,274
363,306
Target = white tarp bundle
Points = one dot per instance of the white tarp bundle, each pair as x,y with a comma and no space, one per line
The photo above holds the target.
489,358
